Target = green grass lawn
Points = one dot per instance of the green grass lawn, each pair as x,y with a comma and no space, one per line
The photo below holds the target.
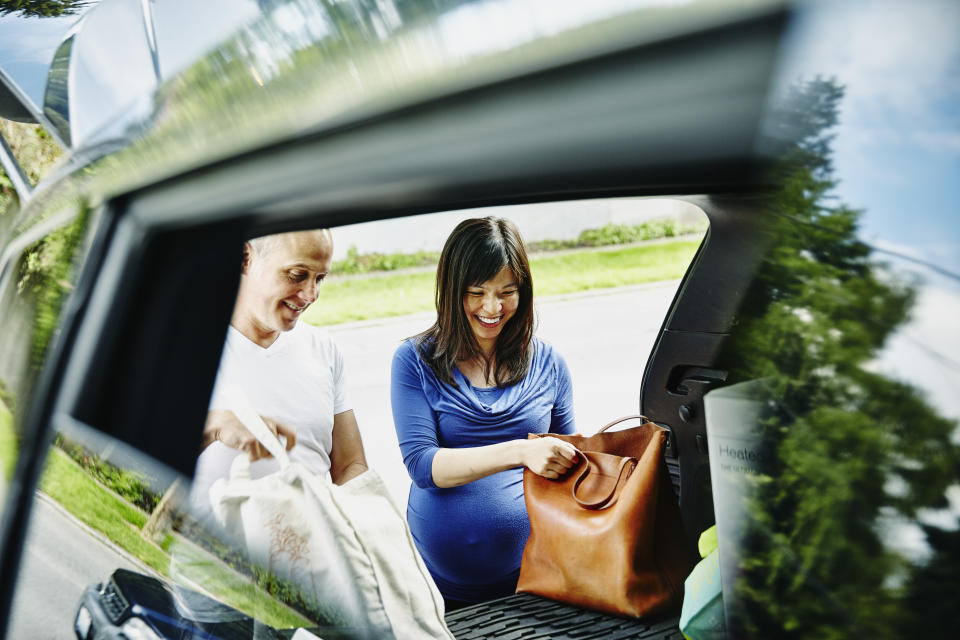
570,273
8,444
234,589
64,481
351,299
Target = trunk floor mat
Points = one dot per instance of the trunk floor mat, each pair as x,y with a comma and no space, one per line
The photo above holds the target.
526,616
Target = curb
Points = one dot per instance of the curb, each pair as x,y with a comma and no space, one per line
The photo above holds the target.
93,533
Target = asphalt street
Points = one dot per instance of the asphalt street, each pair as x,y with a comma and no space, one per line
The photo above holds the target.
61,558
605,337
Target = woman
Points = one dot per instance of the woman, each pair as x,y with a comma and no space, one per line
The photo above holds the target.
465,394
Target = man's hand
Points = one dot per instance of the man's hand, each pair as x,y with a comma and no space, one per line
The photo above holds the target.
224,426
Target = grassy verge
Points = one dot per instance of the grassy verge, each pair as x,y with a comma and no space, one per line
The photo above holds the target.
67,483
129,485
64,481
232,588
554,275
8,444
607,235
347,300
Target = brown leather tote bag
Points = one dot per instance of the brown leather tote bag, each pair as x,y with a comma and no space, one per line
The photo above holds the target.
608,535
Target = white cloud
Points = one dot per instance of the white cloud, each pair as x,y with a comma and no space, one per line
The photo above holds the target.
899,62
926,352
931,140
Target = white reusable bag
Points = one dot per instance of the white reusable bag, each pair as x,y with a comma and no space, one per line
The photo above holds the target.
348,548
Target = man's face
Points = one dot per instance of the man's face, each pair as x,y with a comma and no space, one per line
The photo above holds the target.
279,282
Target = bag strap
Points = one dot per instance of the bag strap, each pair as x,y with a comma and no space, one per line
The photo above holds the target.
247,416
623,419
607,500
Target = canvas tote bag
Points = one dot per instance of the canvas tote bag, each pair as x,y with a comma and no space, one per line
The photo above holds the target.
608,535
347,548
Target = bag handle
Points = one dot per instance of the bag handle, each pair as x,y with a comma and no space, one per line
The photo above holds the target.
248,417
607,500
623,419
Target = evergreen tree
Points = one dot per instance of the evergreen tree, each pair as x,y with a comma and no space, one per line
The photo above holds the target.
817,562
43,8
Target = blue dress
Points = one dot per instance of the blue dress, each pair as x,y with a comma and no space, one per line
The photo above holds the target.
472,537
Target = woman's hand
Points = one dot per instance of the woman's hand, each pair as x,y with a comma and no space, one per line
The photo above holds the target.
549,457
224,426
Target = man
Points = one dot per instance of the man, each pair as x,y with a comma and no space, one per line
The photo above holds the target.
290,372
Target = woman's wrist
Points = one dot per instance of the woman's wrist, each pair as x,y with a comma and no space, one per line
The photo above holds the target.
520,448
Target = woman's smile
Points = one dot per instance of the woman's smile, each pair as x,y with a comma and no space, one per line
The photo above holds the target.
489,305
489,322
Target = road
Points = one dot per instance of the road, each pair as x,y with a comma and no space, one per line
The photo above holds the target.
605,336
61,558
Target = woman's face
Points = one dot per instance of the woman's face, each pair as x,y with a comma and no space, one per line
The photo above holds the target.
490,305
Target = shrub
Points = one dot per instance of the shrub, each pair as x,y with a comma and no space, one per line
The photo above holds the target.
130,485
610,234
356,263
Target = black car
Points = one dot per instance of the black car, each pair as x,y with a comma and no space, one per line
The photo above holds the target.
130,603
806,364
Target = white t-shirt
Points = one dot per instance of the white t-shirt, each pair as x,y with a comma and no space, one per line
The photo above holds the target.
298,381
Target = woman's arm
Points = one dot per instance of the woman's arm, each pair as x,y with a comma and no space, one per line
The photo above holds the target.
561,417
548,457
347,459
413,417
431,465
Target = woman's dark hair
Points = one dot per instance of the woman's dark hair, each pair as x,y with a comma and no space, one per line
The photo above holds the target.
475,252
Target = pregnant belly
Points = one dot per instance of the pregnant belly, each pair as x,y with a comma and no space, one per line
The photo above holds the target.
472,534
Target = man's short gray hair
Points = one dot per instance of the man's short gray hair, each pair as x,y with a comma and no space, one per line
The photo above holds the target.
265,244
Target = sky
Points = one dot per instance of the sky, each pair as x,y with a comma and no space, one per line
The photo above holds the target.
897,148
897,158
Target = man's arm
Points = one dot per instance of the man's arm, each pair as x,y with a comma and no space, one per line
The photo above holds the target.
224,426
347,459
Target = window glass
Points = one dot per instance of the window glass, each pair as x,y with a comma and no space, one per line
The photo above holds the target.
34,288
835,460
604,275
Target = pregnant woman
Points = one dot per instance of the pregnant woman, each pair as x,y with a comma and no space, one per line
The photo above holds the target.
465,393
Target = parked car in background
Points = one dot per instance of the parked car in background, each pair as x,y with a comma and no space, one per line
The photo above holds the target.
807,367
